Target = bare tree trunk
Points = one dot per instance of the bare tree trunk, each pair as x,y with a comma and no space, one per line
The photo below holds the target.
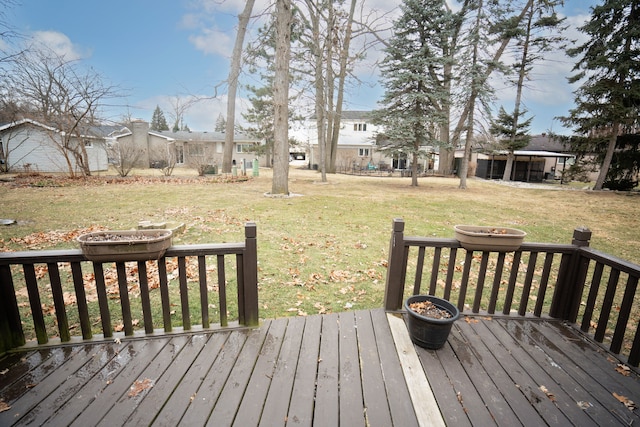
234,72
284,16
344,58
608,157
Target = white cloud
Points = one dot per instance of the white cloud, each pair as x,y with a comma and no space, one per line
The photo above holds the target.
212,41
60,44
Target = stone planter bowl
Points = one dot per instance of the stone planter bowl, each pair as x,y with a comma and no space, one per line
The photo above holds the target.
485,238
129,245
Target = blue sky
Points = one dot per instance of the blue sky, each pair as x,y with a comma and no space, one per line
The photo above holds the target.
158,51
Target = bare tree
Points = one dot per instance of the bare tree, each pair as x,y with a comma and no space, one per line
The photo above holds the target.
234,72
124,157
62,95
284,18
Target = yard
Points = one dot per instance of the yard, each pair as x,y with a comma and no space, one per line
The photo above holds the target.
325,248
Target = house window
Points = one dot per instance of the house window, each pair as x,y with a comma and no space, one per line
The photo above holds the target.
195,150
88,143
243,148
363,152
360,127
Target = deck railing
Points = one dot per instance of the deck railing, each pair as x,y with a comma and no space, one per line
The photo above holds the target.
572,282
69,275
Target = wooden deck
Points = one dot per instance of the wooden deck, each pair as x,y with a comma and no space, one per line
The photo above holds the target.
325,370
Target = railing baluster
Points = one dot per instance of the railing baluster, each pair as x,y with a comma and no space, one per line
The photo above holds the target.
58,301
465,280
497,279
614,275
482,274
544,283
417,280
184,293
437,253
511,287
103,302
81,300
164,294
451,269
123,287
12,334
204,298
596,279
35,303
526,290
222,291
144,297
623,315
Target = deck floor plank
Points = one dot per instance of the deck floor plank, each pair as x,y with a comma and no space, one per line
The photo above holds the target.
533,361
253,401
350,391
276,404
486,347
72,376
399,399
335,369
601,380
301,406
326,410
226,407
374,392
210,387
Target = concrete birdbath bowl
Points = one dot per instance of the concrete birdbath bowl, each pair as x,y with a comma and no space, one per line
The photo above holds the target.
488,238
125,245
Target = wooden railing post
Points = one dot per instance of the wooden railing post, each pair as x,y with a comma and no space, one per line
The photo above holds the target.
11,333
571,278
250,274
396,269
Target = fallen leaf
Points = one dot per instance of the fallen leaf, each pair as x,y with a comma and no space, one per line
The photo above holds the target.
584,405
470,319
623,369
139,386
4,406
546,391
626,401
4,371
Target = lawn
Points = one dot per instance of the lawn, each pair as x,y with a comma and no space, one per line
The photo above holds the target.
325,248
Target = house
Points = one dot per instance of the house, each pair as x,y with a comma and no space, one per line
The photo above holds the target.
356,142
29,146
189,148
543,158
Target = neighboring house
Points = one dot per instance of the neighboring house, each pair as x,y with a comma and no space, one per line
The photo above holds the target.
358,148
29,146
189,148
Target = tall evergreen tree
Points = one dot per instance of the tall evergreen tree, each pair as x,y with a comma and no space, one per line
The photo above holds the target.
158,121
221,123
539,32
608,101
410,73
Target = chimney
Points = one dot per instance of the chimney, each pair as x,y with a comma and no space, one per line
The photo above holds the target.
140,140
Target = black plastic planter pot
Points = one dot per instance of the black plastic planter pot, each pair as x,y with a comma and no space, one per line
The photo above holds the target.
429,332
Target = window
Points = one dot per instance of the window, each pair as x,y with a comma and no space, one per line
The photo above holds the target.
88,143
360,127
363,152
179,154
195,149
243,148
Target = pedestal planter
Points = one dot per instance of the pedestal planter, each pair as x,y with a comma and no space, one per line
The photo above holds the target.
129,245
483,238
425,330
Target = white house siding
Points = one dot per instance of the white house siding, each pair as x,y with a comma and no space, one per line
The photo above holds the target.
31,149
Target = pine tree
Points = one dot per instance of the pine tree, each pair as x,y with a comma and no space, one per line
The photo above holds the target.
411,112
511,138
158,121
221,123
608,101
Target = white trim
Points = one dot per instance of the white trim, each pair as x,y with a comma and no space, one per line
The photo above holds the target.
422,398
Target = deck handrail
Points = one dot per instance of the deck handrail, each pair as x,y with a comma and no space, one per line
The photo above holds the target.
571,282
11,330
